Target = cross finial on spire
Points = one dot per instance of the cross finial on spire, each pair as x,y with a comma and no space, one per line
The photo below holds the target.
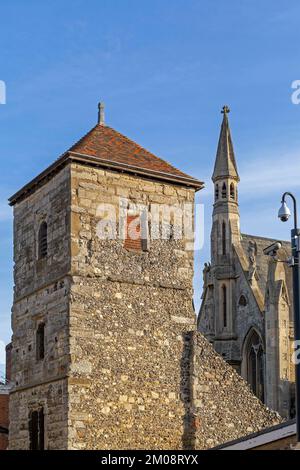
225,165
225,110
101,114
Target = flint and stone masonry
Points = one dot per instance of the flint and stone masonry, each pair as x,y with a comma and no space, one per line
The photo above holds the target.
123,365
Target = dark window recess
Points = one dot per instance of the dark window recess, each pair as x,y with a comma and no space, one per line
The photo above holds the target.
43,240
223,238
224,191
224,301
40,342
232,195
217,192
243,301
36,430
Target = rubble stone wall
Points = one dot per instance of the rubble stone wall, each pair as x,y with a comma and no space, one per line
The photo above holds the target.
222,402
41,295
53,397
129,314
123,366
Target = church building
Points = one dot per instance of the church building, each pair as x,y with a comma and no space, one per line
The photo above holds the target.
105,348
246,310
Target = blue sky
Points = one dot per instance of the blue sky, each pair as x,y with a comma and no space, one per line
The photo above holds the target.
164,69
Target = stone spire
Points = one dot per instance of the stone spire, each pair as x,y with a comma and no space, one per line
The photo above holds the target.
225,165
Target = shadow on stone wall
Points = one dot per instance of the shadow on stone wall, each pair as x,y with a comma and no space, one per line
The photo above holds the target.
287,399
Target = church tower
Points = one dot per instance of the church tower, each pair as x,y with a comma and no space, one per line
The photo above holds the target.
99,331
220,276
226,219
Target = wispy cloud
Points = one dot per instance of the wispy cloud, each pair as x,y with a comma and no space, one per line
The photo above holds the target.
265,175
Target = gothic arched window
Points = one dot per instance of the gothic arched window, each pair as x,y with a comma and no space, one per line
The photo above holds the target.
223,238
43,240
224,305
217,192
232,192
224,191
254,357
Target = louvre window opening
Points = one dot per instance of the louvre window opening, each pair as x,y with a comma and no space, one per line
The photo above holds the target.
217,192
43,240
224,191
40,342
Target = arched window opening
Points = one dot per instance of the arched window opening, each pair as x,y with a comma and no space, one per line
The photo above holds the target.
43,240
232,191
255,364
36,430
40,342
224,306
224,191
217,192
223,238
242,301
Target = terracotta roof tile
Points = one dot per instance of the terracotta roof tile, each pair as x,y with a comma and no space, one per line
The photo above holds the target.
105,143
102,145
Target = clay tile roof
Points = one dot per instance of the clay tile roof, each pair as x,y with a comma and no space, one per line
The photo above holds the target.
104,146
107,144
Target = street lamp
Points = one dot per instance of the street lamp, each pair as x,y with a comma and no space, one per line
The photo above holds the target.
284,215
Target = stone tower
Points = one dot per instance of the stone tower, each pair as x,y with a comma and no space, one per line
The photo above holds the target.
100,317
225,232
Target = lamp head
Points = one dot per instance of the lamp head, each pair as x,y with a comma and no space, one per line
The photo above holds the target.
284,212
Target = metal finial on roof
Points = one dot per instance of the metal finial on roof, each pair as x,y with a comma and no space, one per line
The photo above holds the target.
101,119
225,110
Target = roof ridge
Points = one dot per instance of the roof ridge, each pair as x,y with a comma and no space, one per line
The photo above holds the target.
264,238
82,138
76,143
129,140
